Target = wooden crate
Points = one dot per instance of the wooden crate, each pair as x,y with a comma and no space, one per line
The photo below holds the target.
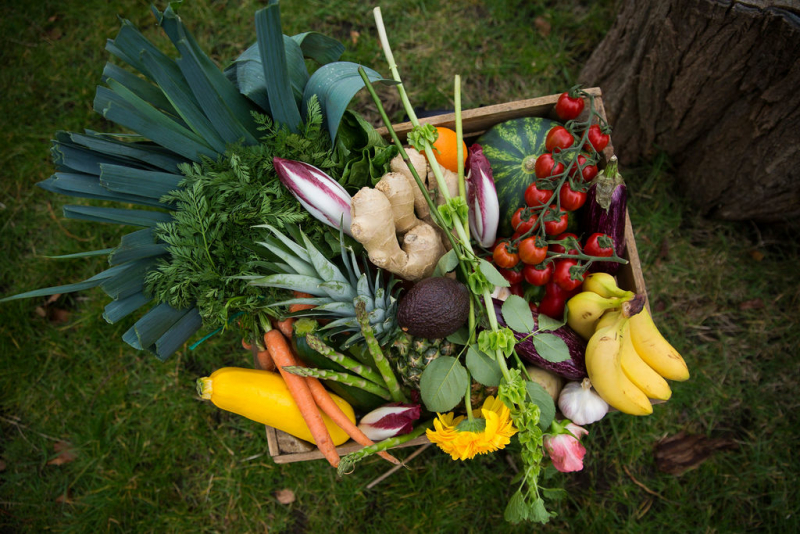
285,448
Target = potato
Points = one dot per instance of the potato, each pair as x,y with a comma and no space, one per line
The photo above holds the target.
551,382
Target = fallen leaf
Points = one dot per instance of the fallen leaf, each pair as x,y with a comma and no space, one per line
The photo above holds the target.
65,498
542,26
354,35
682,452
755,304
41,312
2,466
65,453
285,496
756,255
59,316
664,251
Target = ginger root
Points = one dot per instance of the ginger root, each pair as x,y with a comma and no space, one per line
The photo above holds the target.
373,225
396,209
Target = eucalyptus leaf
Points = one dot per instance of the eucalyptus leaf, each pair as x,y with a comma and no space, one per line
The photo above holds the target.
460,336
517,314
446,263
483,367
540,397
492,274
443,384
547,323
551,347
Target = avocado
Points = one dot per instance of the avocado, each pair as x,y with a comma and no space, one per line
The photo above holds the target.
434,308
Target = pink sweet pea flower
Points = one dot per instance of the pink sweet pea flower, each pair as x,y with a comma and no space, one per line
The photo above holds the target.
565,450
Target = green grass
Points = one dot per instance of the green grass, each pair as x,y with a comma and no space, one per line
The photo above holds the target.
151,457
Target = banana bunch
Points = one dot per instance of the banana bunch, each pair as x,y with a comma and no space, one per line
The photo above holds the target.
627,358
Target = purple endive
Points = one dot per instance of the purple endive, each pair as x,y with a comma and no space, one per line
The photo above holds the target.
321,195
484,208
390,420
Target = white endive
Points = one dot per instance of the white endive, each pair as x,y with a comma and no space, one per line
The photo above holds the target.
321,195
484,208
390,420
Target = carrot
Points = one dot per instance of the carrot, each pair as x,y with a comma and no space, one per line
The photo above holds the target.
298,386
300,307
261,358
286,327
327,405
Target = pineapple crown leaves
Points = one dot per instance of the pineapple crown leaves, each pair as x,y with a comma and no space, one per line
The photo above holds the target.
333,290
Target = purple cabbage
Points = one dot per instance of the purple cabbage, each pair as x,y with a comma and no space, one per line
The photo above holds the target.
604,212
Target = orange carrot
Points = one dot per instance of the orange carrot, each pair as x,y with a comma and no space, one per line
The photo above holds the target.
300,307
298,386
286,327
327,405
261,359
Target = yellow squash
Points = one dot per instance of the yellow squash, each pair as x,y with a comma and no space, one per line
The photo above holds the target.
263,397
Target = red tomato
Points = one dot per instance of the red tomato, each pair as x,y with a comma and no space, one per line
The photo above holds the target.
560,248
588,172
556,227
546,166
522,221
597,138
536,275
571,199
536,198
552,306
568,108
558,137
516,289
562,276
513,277
530,253
503,257
599,245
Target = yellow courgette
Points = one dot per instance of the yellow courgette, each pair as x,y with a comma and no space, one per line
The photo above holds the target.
263,397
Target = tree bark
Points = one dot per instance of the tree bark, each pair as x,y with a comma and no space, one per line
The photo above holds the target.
715,86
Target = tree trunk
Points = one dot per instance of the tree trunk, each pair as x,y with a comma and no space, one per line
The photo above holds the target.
714,85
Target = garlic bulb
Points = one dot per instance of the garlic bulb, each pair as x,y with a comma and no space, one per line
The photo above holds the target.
580,404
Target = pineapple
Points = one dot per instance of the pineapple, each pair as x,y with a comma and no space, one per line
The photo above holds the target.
305,269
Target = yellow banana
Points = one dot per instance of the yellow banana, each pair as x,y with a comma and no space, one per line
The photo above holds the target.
604,285
655,350
585,309
641,374
604,365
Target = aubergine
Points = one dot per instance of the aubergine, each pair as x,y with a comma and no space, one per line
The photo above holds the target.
604,212
572,369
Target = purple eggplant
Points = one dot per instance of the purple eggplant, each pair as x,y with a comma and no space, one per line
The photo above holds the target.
572,369
604,212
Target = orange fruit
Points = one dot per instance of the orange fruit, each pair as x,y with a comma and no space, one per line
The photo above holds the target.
445,149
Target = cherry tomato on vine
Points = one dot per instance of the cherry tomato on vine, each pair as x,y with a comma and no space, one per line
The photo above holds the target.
588,172
530,253
516,289
546,166
562,276
503,257
536,275
571,199
599,245
558,137
560,248
513,277
559,226
522,221
536,198
568,108
597,138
